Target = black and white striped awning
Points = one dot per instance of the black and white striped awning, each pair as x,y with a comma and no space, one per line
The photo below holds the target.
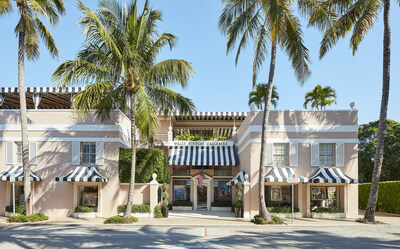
332,175
282,175
83,174
240,177
18,173
203,155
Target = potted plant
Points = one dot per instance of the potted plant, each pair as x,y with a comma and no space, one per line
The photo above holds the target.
328,213
165,195
238,203
85,212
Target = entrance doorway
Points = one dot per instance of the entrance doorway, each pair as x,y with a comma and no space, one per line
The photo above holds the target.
202,194
201,197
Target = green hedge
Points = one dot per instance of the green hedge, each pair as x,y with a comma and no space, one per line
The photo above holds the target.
280,210
19,208
262,221
328,210
158,212
84,209
182,203
388,197
142,208
30,218
148,161
221,204
120,220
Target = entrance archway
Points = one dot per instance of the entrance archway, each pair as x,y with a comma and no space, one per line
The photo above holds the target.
206,184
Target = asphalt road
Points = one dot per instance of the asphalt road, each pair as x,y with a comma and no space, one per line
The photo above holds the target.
101,236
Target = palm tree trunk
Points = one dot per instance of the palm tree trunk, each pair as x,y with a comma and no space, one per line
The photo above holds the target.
23,114
133,159
263,209
373,195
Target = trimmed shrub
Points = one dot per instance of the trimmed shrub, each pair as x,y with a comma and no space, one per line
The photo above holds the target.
182,203
221,204
262,221
158,212
388,196
238,204
120,220
84,209
148,161
19,208
140,208
27,218
282,210
330,210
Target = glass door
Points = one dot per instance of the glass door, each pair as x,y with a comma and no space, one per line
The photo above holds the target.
202,197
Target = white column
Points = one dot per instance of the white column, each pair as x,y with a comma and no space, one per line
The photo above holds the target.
170,134
194,195
308,203
209,195
300,198
345,198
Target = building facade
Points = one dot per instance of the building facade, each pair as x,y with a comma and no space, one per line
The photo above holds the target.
74,162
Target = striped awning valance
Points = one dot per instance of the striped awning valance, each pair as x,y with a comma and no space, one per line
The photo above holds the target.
240,177
203,155
332,175
18,173
83,174
282,175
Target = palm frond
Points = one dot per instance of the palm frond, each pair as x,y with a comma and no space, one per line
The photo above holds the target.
146,115
319,13
47,38
5,7
260,52
170,71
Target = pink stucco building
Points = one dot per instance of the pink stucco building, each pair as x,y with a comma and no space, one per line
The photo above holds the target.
71,158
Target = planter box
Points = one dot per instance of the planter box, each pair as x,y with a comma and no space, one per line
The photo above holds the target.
139,215
221,209
85,215
7,214
182,208
297,215
328,215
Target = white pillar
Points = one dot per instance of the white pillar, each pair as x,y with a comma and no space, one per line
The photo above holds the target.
300,198
308,203
345,199
194,195
170,134
209,195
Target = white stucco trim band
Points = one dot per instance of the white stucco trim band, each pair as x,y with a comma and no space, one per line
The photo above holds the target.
68,139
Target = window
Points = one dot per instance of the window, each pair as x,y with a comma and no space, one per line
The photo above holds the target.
88,196
180,170
223,171
281,154
324,197
279,196
222,192
326,154
19,152
88,153
181,187
19,195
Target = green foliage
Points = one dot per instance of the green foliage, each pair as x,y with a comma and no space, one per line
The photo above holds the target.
328,210
182,203
284,209
238,204
27,218
388,197
239,186
158,212
262,221
221,204
320,97
257,96
148,161
165,194
84,209
239,194
367,135
19,208
188,137
136,208
120,220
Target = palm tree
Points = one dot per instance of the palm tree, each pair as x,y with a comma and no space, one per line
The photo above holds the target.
265,22
118,65
336,20
28,30
257,96
320,97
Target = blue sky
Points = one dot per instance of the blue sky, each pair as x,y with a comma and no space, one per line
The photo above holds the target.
220,86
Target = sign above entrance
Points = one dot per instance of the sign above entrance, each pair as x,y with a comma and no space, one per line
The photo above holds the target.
201,143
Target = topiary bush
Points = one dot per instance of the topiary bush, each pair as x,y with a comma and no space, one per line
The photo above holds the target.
262,221
282,210
27,218
158,212
330,210
148,161
19,208
121,220
139,208
84,209
388,197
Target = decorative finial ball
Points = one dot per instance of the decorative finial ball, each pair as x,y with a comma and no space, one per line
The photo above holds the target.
154,176
352,105
246,177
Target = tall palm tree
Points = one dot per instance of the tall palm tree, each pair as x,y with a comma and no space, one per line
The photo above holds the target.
320,97
257,96
267,22
338,18
118,63
28,31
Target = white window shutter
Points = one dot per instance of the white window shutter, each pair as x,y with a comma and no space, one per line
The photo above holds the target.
99,153
294,154
340,154
76,153
269,159
9,152
32,153
315,154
